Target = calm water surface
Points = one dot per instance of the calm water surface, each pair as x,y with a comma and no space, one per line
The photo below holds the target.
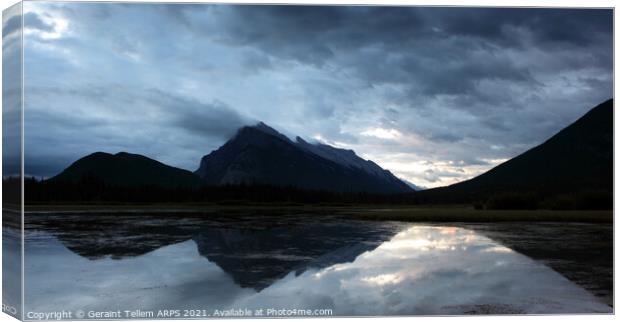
153,262
11,267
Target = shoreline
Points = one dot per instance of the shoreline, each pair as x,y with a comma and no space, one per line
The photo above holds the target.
439,213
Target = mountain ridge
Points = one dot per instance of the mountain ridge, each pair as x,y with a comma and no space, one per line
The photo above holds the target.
127,170
577,158
261,155
255,155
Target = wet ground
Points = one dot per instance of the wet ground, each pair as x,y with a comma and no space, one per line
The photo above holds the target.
581,252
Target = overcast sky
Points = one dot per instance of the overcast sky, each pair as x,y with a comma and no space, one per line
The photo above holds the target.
436,95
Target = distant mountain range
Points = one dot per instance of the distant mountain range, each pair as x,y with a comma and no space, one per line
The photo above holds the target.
255,155
261,155
578,158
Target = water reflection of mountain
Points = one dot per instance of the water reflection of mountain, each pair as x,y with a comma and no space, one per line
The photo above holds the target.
255,250
257,258
95,236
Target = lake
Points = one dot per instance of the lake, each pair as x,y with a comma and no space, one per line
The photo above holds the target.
240,264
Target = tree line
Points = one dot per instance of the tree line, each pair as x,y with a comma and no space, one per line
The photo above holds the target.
91,190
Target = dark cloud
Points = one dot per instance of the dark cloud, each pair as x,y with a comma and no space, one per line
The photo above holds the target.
286,30
430,51
147,121
13,24
295,34
499,26
445,137
256,61
214,119
32,21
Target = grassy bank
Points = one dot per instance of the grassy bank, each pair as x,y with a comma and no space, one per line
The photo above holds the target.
366,212
195,207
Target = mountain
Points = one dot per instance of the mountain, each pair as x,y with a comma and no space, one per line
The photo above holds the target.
127,170
578,158
347,158
261,155
414,186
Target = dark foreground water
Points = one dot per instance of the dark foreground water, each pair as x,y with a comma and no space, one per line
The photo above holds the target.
101,264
